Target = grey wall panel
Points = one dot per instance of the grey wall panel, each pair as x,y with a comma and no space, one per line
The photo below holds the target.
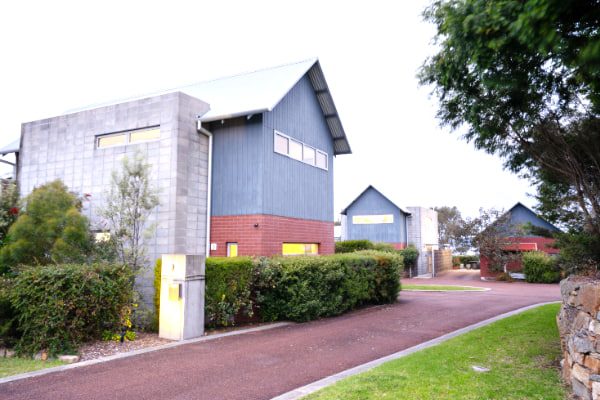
292,188
372,203
238,158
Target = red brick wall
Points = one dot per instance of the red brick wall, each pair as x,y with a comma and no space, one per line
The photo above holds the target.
543,244
263,235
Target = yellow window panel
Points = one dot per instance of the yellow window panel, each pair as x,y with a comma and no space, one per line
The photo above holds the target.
144,135
298,249
232,249
112,140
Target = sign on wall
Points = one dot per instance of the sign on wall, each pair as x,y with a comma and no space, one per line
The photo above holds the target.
373,219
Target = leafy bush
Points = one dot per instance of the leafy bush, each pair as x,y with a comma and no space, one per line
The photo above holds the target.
349,246
228,289
8,319
539,267
60,306
306,288
386,247
410,254
50,230
157,286
465,259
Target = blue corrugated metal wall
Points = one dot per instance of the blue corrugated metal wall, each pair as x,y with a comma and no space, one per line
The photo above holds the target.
292,188
373,203
521,215
237,166
250,178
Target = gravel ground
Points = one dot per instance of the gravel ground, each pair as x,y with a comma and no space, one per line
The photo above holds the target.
102,348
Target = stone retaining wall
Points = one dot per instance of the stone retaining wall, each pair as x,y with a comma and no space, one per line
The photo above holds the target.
579,328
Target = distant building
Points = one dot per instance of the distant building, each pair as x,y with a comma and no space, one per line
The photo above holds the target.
521,216
375,217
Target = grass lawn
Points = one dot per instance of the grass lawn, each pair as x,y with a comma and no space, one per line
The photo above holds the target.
14,365
522,352
440,287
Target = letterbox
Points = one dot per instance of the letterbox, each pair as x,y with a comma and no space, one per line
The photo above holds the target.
182,296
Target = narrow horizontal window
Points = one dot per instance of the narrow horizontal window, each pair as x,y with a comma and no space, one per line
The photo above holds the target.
321,160
373,219
144,135
299,249
119,139
128,137
287,146
309,155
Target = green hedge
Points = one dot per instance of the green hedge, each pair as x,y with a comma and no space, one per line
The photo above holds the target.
539,267
228,289
350,246
306,288
60,306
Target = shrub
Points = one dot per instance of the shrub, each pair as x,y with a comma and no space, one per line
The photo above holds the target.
306,288
386,247
51,229
465,259
228,289
410,254
9,207
60,306
349,246
8,319
157,286
539,267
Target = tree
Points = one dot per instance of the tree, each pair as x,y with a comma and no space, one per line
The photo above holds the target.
50,229
454,231
496,238
523,77
128,205
9,207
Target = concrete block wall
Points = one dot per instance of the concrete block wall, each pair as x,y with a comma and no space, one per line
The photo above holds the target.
423,234
64,147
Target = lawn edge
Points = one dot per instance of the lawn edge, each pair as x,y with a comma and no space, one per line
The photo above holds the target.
330,380
32,374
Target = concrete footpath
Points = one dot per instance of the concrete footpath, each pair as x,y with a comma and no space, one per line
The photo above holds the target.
264,364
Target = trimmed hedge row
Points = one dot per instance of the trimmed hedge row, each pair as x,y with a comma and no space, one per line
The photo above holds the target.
299,288
228,289
539,267
57,307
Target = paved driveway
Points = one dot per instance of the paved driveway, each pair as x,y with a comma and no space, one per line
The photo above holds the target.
264,364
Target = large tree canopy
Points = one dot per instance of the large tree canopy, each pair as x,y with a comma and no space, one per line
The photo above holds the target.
523,77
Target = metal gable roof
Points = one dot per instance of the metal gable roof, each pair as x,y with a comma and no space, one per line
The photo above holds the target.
381,194
10,148
519,204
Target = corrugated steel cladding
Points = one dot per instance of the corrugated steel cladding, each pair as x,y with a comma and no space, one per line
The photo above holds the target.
250,178
520,215
371,202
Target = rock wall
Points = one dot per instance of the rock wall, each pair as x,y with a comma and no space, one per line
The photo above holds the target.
579,328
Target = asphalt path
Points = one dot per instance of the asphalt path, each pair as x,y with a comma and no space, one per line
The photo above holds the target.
264,364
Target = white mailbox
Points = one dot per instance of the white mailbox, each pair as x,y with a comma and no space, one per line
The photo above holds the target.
182,297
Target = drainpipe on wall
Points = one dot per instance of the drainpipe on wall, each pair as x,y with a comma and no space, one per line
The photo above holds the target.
209,135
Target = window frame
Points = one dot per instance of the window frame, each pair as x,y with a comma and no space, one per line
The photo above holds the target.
305,253
127,134
303,146
228,246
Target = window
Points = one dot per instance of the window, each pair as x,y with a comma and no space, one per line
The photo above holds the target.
112,140
281,144
309,155
232,249
285,145
128,137
295,150
144,135
299,249
321,160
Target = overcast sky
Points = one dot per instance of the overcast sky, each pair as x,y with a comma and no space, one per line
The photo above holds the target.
59,55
